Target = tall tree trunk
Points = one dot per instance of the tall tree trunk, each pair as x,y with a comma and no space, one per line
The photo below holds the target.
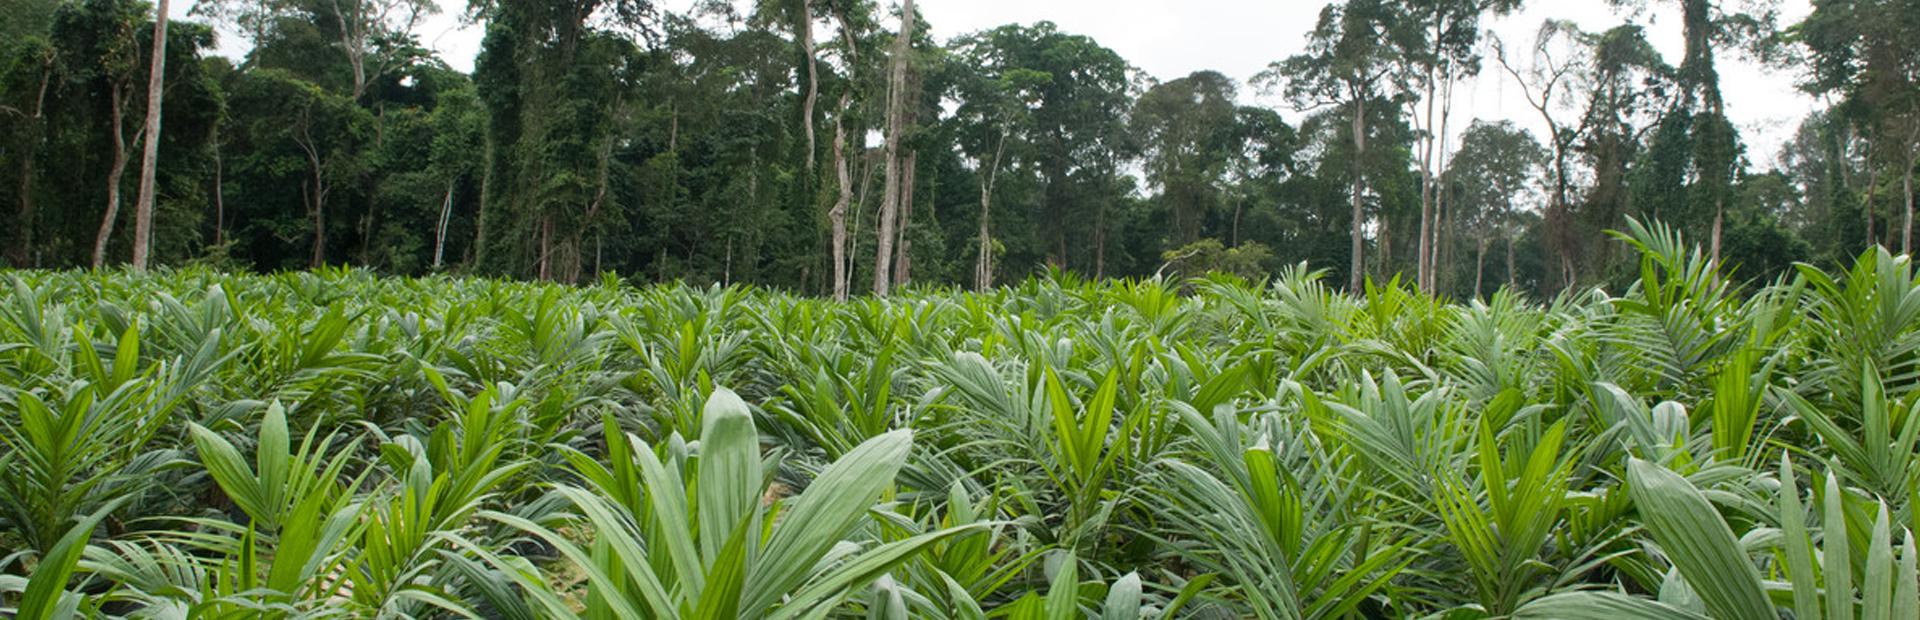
1442,240
837,216
21,254
1060,245
1557,233
1233,231
1356,264
318,210
440,229
1568,275
31,138
359,64
317,200
1873,185
903,259
805,29
1384,242
1424,245
1554,237
1100,240
1479,267
603,171
546,246
983,264
116,116
369,221
983,261
1513,281
1440,186
1892,233
859,207
143,205
1719,216
486,192
317,213
219,195
1722,171
353,38
896,114
1906,189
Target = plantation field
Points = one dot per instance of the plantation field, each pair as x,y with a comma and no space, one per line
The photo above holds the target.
190,444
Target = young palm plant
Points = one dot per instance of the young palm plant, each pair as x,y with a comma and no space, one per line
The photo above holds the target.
1266,511
695,536
1714,576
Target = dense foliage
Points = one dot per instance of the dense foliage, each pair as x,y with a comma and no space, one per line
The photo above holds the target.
807,146
194,444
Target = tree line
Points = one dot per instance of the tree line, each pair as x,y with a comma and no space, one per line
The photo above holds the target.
836,147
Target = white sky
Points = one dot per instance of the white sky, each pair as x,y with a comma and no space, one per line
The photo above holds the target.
1171,38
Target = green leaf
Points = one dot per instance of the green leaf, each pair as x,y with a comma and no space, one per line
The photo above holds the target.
729,484
629,555
1186,595
603,580
1799,545
667,496
1836,555
721,599
1065,427
863,569
272,456
1698,541
1877,589
126,359
822,515
235,478
1123,599
1906,593
1063,596
964,606
41,600
1602,606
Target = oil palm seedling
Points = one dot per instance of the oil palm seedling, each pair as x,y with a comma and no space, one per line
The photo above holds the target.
698,541
336,444
1714,574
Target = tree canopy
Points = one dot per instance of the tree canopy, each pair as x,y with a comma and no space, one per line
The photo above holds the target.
752,142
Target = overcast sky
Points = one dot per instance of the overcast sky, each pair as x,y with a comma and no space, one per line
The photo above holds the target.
1171,38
